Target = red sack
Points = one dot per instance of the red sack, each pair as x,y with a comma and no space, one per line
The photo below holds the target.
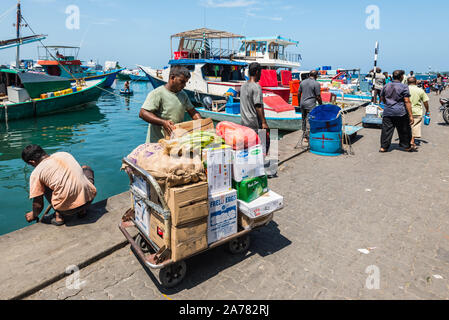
237,136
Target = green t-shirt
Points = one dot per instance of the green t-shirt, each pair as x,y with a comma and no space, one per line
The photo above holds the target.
417,97
166,105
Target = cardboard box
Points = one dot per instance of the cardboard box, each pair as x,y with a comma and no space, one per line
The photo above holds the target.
187,203
248,163
264,205
222,220
189,127
186,239
218,164
252,188
246,222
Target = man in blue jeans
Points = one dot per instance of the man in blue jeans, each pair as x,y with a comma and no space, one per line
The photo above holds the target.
397,113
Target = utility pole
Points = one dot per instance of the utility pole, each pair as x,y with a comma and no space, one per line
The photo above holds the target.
18,23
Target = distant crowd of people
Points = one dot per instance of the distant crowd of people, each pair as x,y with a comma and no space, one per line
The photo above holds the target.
403,99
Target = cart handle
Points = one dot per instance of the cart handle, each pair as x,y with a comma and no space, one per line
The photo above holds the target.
150,179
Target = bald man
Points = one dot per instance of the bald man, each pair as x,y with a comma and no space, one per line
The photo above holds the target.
418,97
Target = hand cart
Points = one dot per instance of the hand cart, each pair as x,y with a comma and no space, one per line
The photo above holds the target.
146,192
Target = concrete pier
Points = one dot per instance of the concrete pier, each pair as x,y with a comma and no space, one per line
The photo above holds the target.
366,226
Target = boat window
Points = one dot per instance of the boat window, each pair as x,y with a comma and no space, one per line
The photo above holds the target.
54,71
222,73
190,67
8,80
262,47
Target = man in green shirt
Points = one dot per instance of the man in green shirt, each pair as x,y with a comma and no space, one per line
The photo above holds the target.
418,97
166,105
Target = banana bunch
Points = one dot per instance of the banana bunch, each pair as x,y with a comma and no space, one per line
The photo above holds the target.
195,142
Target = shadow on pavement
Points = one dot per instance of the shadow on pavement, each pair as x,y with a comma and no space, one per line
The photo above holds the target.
354,139
94,213
204,266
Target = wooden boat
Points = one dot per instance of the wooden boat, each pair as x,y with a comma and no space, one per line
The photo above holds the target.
285,124
140,76
63,63
126,93
32,98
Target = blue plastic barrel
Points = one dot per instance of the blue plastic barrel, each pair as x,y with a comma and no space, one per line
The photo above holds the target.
427,90
232,107
426,119
325,118
326,143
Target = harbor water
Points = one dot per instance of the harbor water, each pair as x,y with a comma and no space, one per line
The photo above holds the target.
99,135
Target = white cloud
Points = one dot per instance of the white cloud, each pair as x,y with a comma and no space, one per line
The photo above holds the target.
228,3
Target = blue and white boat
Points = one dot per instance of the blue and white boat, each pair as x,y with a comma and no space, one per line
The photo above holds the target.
215,77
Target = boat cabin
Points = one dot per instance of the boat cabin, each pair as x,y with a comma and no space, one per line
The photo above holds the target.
213,75
61,61
21,86
270,52
204,43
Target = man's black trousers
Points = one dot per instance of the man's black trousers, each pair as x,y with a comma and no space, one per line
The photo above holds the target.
402,125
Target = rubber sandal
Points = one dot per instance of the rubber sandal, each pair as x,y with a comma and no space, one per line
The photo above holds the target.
51,219
382,151
412,149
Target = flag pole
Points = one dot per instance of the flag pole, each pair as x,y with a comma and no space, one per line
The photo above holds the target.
376,53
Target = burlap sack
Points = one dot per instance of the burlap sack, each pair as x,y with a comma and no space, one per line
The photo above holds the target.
168,169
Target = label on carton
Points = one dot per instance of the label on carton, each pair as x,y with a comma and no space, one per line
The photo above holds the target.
248,163
219,165
142,216
222,221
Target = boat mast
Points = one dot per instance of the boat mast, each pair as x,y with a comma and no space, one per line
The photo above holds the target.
19,21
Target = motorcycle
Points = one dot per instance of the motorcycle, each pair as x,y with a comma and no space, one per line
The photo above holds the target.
445,109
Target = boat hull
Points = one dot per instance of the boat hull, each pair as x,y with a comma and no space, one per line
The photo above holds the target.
195,97
110,78
52,105
133,77
285,124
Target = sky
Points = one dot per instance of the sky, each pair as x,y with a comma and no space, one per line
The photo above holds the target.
411,34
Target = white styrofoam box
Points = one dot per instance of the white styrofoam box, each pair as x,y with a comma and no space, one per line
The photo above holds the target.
142,216
265,204
248,163
219,167
222,220
17,95
371,109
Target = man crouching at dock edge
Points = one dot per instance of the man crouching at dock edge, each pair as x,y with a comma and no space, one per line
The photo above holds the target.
67,186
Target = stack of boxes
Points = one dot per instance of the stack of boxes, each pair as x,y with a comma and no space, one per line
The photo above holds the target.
189,211
255,200
222,219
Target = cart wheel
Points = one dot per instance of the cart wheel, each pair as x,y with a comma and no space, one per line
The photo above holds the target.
173,274
142,243
239,245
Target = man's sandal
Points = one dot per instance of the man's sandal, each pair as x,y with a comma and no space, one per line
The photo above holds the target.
51,219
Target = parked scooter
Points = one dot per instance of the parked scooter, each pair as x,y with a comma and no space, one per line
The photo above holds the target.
445,109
